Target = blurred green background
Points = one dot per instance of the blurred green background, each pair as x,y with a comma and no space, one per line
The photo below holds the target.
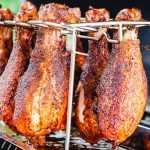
12,4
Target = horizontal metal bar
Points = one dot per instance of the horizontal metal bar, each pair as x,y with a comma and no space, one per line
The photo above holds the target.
113,27
135,22
83,26
137,26
124,28
110,40
80,53
87,37
15,23
144,127
81,30
30,23
54,24
46,23
77,29
37,23
65,32
109,23
41,25
94,38
89,29
82,19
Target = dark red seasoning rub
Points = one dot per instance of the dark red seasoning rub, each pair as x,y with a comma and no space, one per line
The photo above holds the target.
42,93
17,63
6,41
98,55
122,88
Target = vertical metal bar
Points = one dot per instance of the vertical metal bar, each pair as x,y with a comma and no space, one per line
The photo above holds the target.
9,147
71,85
120,32
3,145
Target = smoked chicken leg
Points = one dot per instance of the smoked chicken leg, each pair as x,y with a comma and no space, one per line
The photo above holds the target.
6,42
17,63
86,111
42,93
122,88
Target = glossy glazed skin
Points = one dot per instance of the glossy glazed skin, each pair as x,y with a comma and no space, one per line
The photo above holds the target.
122,89
42,93
17,65
6,42
86,110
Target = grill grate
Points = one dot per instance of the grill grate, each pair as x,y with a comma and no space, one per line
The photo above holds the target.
7,145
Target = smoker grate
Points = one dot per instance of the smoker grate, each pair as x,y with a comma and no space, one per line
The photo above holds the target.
7,145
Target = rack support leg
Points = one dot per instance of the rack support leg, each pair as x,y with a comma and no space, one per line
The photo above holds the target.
71,85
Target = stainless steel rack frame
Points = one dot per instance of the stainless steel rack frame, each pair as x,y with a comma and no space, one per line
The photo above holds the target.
74,30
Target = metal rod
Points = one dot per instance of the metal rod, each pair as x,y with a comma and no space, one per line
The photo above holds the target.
87,37
54,24
41,25
12,143
82,27
96,39
113,27
71,85
109,23
45,23
9,147
77,29
120,33
81,30
37,23
141,126
2,23
110,40
138,26
89,29
3,145
65,32
82,19
15,23
80,53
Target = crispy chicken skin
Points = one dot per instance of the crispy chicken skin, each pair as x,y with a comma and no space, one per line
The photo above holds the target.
86,110
6,42
122,88
16,66
42,93
59,13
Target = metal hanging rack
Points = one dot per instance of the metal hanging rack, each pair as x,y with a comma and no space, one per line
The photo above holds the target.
74,30
119,25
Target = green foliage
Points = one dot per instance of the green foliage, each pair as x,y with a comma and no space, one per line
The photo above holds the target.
12,4
5,129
